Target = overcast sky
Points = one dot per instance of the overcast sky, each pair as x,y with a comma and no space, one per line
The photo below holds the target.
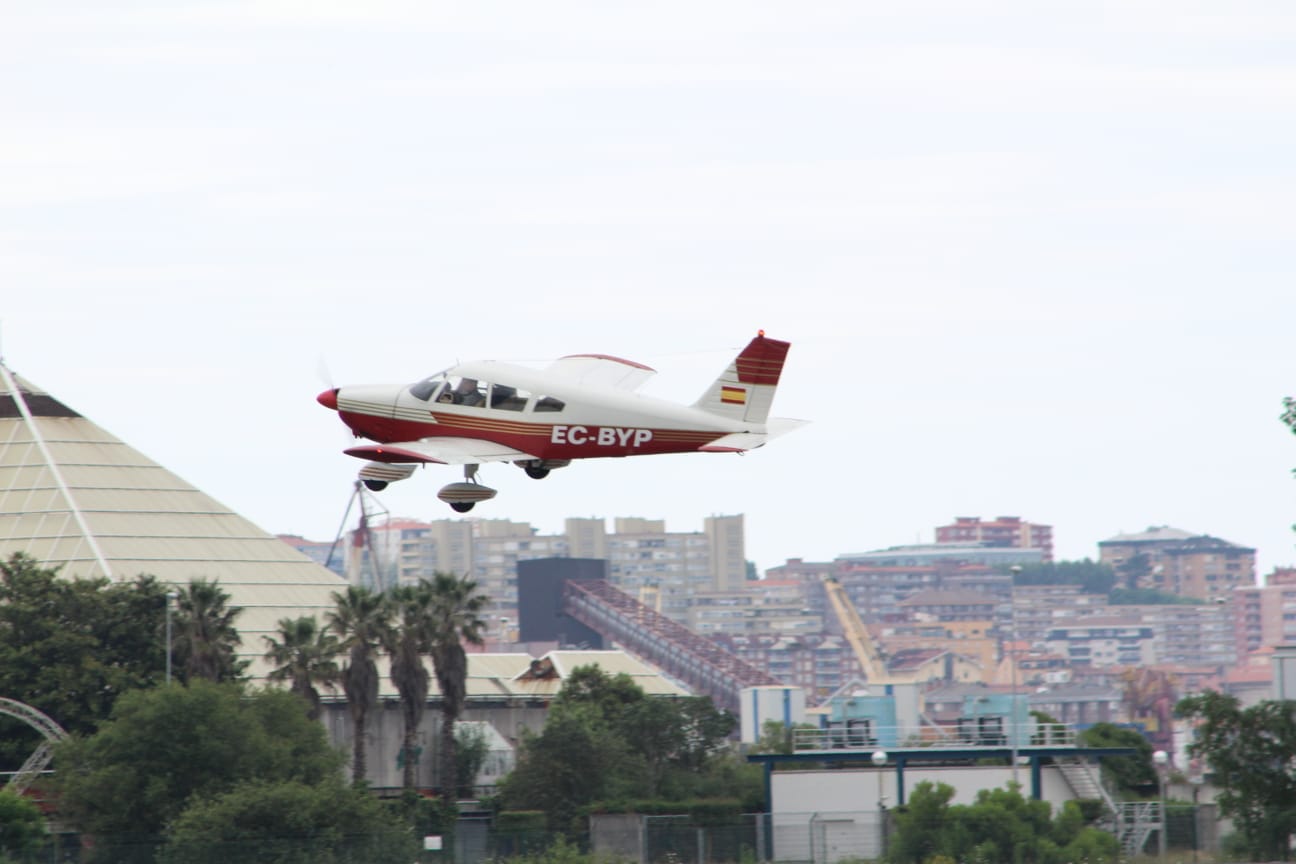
1033,258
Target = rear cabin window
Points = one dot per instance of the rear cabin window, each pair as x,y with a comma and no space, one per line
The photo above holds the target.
507,398
549,403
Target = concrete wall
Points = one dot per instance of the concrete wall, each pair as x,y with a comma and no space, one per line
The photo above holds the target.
859,790
385,730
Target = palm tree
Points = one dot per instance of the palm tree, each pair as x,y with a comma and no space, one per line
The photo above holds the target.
359,621
455,608
305,655
406,641
205,640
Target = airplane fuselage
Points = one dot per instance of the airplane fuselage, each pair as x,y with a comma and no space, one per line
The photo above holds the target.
605,423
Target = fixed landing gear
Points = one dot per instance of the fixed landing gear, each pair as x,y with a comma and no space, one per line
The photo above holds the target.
462,496
374,485
538,469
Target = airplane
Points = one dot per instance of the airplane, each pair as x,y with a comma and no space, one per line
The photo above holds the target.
581,406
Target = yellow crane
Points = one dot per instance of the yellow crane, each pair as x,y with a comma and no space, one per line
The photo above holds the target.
870,657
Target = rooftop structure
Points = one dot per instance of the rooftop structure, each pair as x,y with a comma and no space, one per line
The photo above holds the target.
73,496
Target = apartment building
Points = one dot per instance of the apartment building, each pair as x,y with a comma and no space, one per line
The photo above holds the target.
1170,559
1103,641
1264,616
645,559
1011,532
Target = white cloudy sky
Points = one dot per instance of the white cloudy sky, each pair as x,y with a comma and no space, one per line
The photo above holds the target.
1034,258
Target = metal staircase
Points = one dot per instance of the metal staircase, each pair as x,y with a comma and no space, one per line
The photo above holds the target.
1139,820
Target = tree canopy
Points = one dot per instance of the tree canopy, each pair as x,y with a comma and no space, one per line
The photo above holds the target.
1091,576
1000,825
71,647
205,639
289,823
1252,754
605,740
22,827
164,747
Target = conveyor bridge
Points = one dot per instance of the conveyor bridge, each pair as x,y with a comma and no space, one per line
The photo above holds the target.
700,664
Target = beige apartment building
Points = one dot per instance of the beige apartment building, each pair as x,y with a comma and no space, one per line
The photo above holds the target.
1169,559
647,561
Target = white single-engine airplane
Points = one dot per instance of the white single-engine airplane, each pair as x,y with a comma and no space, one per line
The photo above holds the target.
579,407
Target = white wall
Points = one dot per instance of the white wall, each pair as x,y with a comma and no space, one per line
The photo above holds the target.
857,790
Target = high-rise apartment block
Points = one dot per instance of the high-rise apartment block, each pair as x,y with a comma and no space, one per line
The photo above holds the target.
643,557
1003,532
1264,616
1176,561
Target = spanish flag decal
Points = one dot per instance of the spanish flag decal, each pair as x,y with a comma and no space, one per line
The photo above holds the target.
733,395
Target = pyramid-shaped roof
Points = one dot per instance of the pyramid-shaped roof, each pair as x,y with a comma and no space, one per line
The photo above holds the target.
75,497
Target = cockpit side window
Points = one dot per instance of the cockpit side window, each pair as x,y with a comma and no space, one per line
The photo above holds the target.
549,403
424,389
464,391
507,398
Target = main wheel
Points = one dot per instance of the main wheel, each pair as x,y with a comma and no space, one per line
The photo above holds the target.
375,485
535,472
461,506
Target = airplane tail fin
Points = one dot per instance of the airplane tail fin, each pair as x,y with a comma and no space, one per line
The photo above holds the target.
745,390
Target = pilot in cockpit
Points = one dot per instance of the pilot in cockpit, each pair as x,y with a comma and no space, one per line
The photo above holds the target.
467,393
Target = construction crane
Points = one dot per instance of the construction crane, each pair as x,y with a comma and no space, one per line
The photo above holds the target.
870,656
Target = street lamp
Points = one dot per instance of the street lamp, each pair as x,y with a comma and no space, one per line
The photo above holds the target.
170,601
1012,659
879,759
1162,760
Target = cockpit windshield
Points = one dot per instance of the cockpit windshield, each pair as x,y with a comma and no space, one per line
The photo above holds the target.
425,389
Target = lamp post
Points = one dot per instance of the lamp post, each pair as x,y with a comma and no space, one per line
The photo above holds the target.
170,601
1162,760
879,759
1012,659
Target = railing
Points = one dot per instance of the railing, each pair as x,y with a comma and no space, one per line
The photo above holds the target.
935,737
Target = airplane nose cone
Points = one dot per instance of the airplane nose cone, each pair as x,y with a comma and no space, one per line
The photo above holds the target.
328,399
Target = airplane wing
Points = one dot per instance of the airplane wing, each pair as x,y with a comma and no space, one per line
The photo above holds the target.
602,370
446,451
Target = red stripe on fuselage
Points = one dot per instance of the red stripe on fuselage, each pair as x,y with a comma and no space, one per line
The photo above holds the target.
543,440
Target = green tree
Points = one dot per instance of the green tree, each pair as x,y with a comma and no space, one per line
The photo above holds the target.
605,740
359,620
1091,576
163,747
406,641
1132,775
205,640
71,647
456,619
305,655
1252,753
289,823
1000,825
22,827
471,750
